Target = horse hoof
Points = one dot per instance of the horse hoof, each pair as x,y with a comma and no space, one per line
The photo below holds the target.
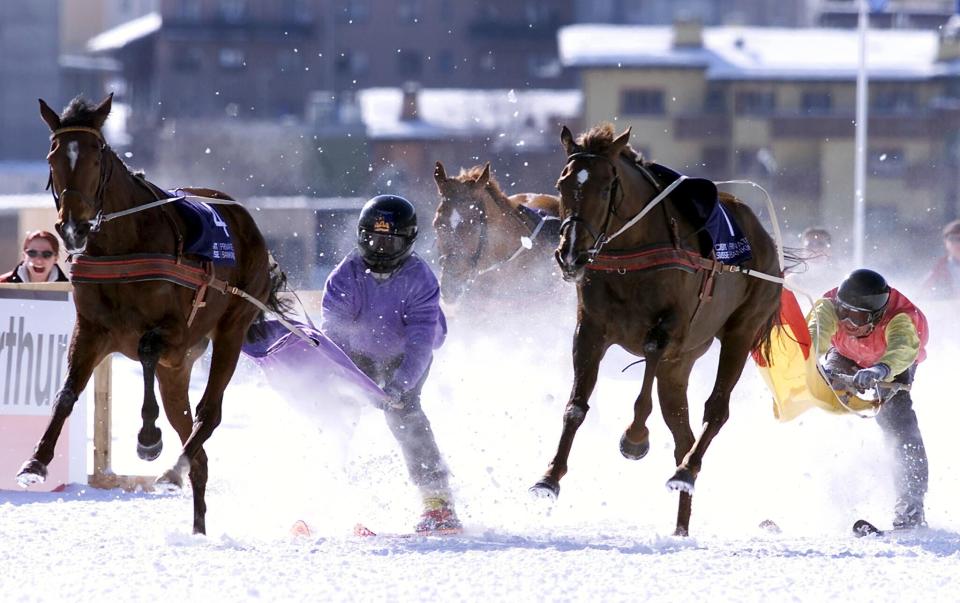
633,451
682,481
682,532
149,452
545,489
32,472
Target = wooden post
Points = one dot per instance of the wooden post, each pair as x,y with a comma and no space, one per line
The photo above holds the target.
102,422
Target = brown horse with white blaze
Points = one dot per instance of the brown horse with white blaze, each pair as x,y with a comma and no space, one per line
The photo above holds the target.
643,285
490,242
143,296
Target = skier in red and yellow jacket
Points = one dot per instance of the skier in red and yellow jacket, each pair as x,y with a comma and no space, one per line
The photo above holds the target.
872,332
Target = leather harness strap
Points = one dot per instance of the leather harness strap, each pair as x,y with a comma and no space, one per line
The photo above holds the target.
150,267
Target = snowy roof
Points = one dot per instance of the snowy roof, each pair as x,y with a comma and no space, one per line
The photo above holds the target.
737,53
125,33
450,113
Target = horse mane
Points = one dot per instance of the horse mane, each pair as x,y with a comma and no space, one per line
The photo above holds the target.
80,112
493,187
599,139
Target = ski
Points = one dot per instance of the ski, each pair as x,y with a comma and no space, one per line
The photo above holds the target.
862,527
365,532
300,529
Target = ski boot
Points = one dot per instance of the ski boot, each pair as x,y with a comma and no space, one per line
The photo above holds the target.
908,514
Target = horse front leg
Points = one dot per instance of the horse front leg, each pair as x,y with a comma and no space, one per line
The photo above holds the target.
672,381
734,350
88,347
226,351
588,350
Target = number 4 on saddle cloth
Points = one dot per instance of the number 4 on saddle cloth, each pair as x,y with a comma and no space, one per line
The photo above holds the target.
207,235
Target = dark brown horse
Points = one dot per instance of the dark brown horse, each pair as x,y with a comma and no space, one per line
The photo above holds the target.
143,296
490,241
654,290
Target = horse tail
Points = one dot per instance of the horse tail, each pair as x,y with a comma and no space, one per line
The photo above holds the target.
764,341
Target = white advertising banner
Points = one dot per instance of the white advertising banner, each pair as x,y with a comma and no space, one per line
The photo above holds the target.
35,330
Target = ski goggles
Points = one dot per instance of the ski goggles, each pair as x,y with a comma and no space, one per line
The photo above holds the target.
383,243
33,253
856,318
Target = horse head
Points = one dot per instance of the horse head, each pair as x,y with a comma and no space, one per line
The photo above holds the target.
78,161
589,191
459,223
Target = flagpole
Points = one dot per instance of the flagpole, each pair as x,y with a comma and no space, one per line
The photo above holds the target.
860,155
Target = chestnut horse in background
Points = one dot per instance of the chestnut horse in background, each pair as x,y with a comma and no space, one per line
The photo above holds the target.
650,290
154,304
491,241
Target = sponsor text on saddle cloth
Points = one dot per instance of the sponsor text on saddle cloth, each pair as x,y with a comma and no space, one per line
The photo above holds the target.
207,233
699,200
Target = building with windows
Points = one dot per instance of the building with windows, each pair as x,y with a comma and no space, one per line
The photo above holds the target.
778,106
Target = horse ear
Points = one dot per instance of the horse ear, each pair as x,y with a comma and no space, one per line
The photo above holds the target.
566,139
439,174
102,111
484,176
619,142
49,115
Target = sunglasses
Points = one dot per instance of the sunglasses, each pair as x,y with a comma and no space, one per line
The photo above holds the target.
35,254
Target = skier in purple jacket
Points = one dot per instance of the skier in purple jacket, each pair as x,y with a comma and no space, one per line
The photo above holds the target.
381,305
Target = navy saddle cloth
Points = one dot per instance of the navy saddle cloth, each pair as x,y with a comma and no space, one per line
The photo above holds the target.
549,225
207,235
699,201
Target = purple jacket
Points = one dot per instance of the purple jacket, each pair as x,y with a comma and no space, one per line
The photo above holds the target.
400,316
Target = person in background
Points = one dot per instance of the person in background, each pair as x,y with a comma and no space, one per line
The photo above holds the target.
39,263
817,242
381,305
943,281
873,332
815,271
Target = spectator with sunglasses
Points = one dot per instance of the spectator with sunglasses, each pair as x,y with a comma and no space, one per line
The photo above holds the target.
943,282
381,305
39,264
873,332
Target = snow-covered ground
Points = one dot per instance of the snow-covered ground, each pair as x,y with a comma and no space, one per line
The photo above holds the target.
496,407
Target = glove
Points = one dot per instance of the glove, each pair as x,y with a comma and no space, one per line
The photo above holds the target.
866,378
394,399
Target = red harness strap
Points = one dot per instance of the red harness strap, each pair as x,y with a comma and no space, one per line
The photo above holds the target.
140,267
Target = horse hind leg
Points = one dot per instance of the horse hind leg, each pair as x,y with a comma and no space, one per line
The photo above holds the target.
149,440
635,441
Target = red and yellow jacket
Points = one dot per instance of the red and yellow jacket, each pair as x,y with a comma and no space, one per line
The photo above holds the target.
899,339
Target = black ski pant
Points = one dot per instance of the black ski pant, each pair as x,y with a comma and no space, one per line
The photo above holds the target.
901,432
411,428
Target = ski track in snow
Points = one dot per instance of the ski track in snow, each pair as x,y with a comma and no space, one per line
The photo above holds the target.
496,407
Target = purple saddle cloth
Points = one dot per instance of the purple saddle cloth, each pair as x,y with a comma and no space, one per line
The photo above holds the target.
207,235
295,368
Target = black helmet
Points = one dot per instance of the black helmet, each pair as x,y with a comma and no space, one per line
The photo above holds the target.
862,298
386,231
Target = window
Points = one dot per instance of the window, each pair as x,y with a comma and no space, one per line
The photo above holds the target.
289,61
445,61
539,11
816,103
715,101
233,11
543,65
300,11
187,59
755,102
232,58
715,160
410,11
487,62
188,9
892,100
352,63
409,63
641,101
354,11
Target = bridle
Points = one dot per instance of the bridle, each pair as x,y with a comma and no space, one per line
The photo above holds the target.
613,202
106,170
